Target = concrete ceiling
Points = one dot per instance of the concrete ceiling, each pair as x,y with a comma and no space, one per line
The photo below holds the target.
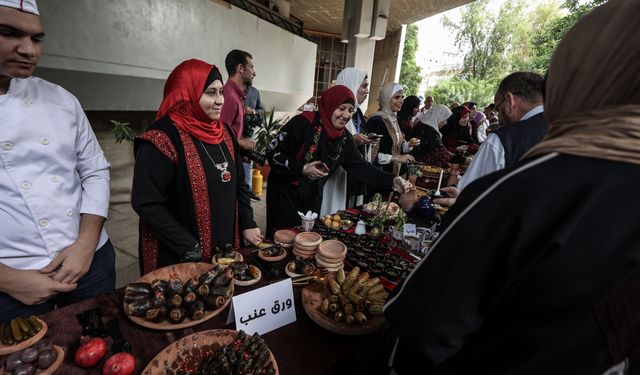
326,15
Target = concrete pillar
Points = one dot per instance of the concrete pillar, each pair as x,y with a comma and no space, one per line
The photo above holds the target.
386,66
361,26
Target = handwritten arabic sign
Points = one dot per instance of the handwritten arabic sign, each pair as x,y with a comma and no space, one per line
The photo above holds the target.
265,309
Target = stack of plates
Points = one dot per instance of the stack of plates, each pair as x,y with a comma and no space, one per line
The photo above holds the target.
306,244
331,255
284,237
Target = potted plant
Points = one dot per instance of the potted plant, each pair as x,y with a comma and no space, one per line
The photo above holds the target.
269,128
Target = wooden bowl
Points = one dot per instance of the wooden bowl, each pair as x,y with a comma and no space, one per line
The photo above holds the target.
305,255
328,265
263,255
312,296
293,274
332,249
8,349
225,262
328,261
284,236
185,271
308,240
255,271
180,350
304,251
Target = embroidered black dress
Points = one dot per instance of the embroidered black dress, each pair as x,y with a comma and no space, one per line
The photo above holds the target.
181,197
289,191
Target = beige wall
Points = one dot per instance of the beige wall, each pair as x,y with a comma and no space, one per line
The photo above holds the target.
386,66
116,55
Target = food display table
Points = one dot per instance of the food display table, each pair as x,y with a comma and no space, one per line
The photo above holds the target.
301,347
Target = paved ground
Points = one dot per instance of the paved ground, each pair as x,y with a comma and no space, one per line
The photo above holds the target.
122,224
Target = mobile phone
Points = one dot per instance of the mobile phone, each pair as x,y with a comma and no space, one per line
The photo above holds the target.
374,136
323,167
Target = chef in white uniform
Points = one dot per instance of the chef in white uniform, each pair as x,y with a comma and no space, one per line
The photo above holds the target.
54,182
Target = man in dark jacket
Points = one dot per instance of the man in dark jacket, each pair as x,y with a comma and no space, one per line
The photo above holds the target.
520,105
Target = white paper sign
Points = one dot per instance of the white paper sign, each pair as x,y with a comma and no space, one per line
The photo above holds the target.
265,309
410,230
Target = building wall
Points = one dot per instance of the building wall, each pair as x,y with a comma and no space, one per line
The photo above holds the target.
116,55
386,66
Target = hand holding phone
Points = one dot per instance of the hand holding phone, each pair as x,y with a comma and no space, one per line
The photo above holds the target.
322,167
374,136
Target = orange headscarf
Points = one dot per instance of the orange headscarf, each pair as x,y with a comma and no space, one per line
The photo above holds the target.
181,101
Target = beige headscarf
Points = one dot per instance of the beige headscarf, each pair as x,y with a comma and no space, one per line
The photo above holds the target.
593,87
390,121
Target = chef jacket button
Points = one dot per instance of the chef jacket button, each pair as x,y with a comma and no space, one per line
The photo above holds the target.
44,223
69,212
26,186
26,103
55,178
7,146
44,141
53,255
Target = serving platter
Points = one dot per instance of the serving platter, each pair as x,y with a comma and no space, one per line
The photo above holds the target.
54,366
312,296
8,349
184,272
199,344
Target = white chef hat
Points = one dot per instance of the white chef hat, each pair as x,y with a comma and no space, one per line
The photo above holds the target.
28,6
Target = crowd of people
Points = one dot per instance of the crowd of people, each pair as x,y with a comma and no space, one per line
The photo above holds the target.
531,254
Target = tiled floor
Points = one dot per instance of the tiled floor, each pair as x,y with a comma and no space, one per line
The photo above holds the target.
122,227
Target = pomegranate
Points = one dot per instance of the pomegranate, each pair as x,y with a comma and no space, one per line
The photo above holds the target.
91,352
121,363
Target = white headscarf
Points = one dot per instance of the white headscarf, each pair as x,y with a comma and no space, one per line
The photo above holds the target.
28,6
435,115
386,93
352,78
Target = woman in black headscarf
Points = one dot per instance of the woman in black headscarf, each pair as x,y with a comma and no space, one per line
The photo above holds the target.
457,131
307,150
410,107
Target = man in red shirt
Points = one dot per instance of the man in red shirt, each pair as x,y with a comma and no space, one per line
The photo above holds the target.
241,71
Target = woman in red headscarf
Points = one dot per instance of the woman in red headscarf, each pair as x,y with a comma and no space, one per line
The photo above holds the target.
309,148
187,183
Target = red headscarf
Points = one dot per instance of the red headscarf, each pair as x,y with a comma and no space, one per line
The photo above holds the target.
329,101
181,101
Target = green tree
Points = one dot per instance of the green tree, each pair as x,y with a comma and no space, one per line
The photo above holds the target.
545,42
410,72
461,90
486,37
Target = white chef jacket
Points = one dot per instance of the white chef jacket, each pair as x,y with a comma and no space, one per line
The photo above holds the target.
52,169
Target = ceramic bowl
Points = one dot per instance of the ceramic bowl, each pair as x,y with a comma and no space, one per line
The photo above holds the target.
329,261
284,236
332,249
308,241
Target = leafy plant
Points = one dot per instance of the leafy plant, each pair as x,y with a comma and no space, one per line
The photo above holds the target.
415,170
401,220
122,131
269,128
